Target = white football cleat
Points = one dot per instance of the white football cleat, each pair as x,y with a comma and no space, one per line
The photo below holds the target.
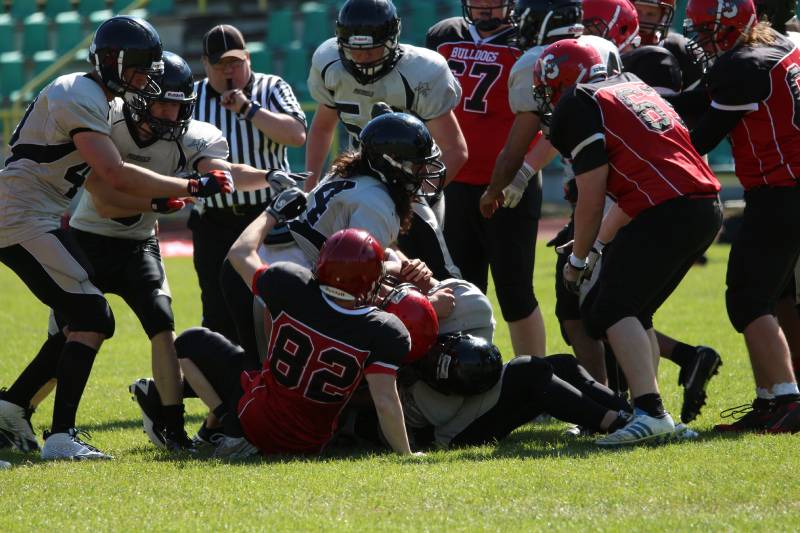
641,428
16,427
69,446
683,432
4,465
234,448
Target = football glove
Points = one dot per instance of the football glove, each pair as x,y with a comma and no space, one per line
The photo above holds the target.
287,205
591,260
280,180
513,192
211,183
166,205
573,276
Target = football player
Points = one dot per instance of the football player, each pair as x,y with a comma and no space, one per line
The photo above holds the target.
325,336
614,20
759,116
63,133
365,64
116,232
614,130
480,49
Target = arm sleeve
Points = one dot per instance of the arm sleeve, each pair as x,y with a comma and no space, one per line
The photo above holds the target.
690,105
283,100
72,116
737,84
440,93
316,84
520,91
210,141
577,132
713,127
273,284
391,346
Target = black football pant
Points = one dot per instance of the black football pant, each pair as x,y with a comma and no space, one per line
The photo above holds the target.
557,385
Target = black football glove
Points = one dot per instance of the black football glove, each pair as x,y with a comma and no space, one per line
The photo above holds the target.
216,181
287,204
166,205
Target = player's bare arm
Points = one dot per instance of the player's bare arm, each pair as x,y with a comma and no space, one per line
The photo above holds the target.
589,209
383,388
320,136
448,136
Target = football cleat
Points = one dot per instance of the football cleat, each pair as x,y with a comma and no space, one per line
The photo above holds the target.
234,448
695,378
70,446
4,465
642,428
786,418
178,441
145,394
208,437
15,425
683,432
748,417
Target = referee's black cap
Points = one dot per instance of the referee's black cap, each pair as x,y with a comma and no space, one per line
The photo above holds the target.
223,40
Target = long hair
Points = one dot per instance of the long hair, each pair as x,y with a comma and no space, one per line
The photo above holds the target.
760,34
351,163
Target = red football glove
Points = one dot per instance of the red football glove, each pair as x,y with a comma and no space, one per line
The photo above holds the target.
216,181
167,205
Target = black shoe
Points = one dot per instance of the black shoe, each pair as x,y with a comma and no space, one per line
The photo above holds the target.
177,440
146,396
757,416
695,378
208,437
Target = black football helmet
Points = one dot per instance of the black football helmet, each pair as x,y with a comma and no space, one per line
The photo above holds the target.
177,85
540,22
488,24
126,42
400,150
367,24
461,364
777,12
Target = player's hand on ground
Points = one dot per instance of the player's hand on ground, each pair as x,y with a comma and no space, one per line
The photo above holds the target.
417,272
211,183
287,205
169,205
490,202
443,302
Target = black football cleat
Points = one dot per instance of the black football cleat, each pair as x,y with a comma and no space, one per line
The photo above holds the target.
145,394
695,378
755,417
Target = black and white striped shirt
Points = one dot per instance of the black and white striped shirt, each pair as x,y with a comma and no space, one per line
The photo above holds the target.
248,145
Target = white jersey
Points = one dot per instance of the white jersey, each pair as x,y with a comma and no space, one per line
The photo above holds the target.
420,83
45,170
520,81
171,158
338,203
472,312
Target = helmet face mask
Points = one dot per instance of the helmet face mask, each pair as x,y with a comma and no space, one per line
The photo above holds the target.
654,29
461,364
371,29
487,24
127,55
540,21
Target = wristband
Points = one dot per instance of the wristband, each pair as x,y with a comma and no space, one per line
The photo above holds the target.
575,262
598,246
527,171
254,107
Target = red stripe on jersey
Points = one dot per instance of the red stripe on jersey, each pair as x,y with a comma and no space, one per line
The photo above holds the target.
650,154
483,114
256,277
766,142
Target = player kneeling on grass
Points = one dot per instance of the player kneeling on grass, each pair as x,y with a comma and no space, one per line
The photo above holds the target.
325,336
623,139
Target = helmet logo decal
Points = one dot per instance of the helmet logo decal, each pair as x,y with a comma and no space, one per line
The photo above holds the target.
550,68
729,8
443,366
174,94
360,40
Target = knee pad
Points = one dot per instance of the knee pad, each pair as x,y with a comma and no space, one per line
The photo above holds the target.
745,305
155,313
95,315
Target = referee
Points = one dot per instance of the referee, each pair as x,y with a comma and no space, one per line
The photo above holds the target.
260,116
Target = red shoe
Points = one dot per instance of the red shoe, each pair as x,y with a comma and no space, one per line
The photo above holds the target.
757,416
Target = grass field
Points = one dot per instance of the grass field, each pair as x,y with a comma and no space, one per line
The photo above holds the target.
536,480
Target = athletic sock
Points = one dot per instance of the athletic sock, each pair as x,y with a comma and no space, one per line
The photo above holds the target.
229,422
650,404
73,372
172,416
683,354
38,372
782,390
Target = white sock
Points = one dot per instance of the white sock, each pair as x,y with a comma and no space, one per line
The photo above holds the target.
784,389
764,394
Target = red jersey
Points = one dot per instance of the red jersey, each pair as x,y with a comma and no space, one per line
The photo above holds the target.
625,123
763,81
482,68
318,354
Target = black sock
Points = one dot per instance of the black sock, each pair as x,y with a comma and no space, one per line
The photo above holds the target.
683,354
73,372
172,416
188,391
36,375
650,404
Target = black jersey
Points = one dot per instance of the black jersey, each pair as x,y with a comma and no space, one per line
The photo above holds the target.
691,71
656,66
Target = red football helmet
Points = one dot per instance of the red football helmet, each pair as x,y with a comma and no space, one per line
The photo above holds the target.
715,26
653,28
563,64
350,266
412,307
614,20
